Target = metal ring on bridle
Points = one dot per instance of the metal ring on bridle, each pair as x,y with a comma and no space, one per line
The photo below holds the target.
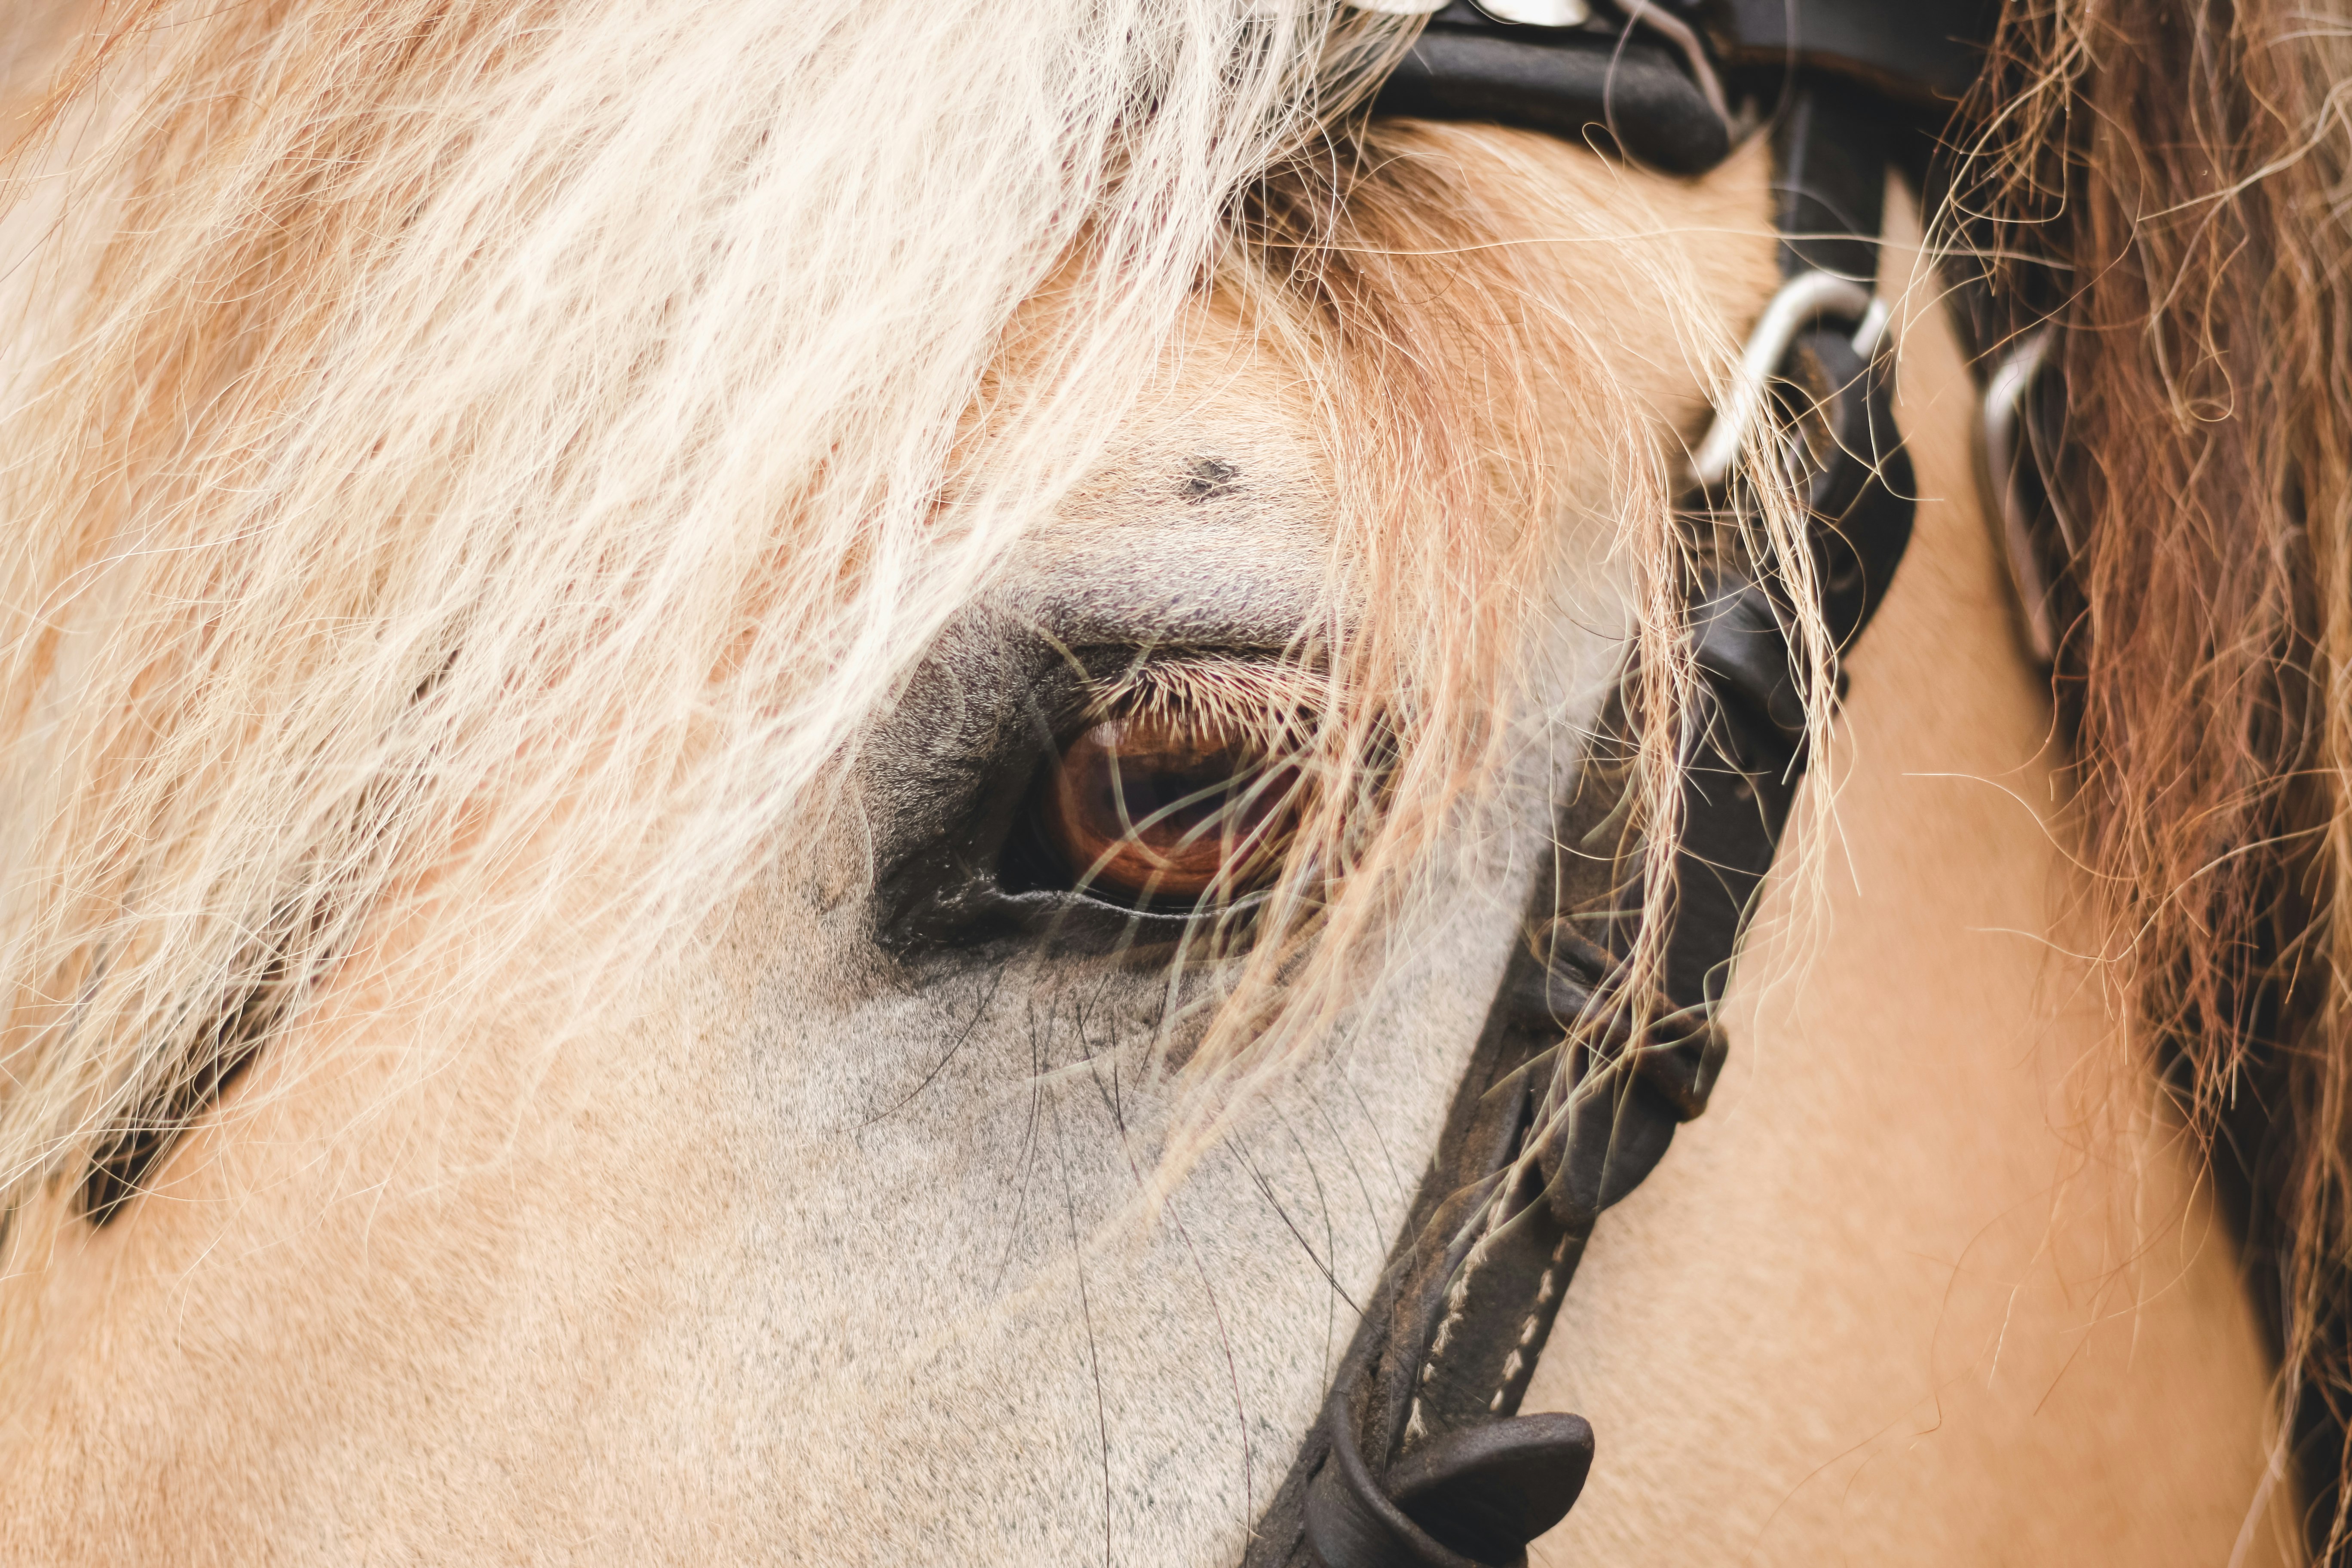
2001,423
1802,301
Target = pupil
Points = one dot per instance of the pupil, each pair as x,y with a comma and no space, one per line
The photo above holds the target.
1169,803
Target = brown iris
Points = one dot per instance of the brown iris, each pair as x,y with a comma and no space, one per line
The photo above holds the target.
1141,810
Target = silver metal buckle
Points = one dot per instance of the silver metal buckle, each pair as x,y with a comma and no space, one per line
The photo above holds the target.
1802,301
2000,422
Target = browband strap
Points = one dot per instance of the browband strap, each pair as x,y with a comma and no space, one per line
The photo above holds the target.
1671,82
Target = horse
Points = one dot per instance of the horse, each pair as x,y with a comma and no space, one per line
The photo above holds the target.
768,771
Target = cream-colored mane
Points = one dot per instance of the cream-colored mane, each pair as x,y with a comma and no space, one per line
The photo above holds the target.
450,511
528,457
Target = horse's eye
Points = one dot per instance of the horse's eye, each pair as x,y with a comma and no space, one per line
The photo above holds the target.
1141,812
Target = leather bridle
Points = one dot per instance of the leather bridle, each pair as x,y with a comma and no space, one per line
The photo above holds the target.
1419,1458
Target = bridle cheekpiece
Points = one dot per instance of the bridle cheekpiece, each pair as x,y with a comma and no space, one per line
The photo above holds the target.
1421,1458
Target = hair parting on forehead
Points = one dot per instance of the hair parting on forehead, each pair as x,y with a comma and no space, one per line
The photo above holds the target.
2169,185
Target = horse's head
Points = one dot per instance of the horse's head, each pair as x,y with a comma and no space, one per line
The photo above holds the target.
769,772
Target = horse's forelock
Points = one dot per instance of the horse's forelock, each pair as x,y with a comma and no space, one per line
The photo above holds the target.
487,445
503,463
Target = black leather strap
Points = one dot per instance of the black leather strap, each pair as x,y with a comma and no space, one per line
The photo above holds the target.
1577,84
1419,1458
1912,53
1624,77
1829,185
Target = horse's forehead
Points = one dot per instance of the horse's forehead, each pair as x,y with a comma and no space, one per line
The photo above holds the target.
1228,448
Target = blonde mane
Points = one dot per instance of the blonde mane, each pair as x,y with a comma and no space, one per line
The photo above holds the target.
453,449
472,470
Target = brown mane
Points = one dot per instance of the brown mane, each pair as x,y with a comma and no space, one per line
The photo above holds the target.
2165,183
